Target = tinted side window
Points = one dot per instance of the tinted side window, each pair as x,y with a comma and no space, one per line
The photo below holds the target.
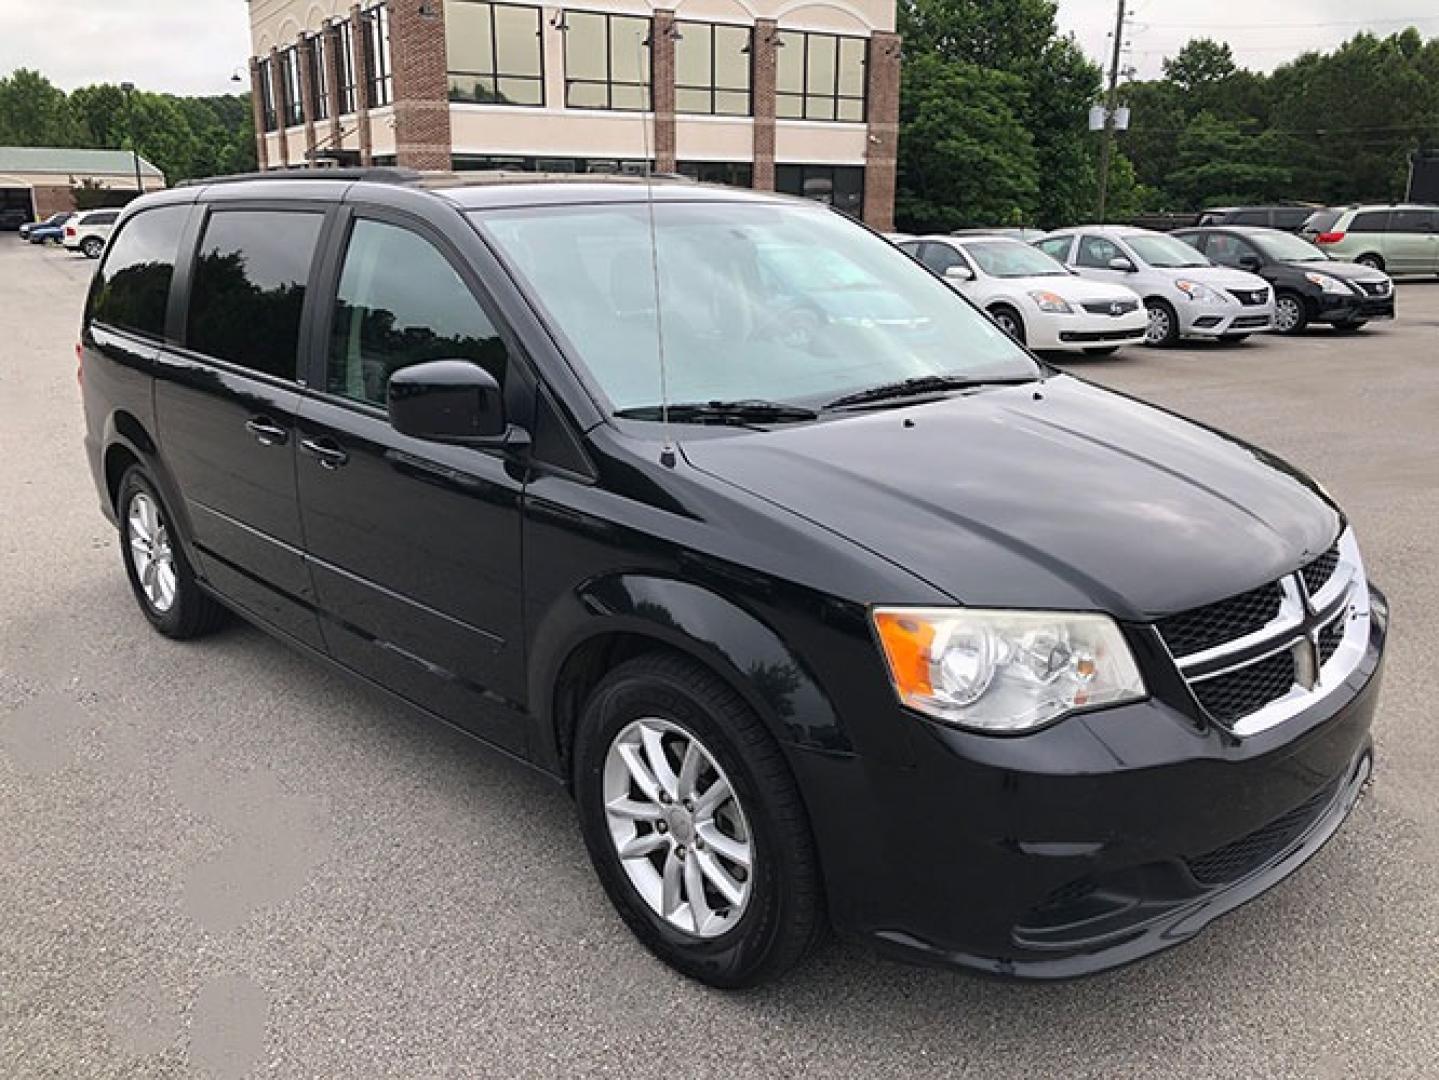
108,217
940,257
1228,250
1412,221
249,287
1322,220
400,302
1370,221
1290,219
1095,251
1058,248
1249,217
132,289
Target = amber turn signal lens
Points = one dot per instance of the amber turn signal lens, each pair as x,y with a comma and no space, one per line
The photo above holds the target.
907,642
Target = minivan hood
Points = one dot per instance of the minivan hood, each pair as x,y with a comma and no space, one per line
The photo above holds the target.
1045,495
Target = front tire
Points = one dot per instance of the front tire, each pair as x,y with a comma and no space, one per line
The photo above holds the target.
1163,329
1008,320
694,824
1291,313
160,575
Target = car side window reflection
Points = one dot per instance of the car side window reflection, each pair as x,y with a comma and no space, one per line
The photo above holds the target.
1096,252
399,303
940,257
1227,250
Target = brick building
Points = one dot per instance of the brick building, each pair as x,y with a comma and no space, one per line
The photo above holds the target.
799,96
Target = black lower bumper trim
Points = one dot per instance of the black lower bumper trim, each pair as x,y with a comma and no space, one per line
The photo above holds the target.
1153,924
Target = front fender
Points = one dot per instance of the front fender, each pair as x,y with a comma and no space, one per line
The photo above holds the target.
731,641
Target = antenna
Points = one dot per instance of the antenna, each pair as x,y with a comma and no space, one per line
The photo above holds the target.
667,451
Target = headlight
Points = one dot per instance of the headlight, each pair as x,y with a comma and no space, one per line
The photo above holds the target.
1328,284
1203,293
1005,671
1051,302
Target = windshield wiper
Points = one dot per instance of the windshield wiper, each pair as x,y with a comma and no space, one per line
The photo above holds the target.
749,411
918,386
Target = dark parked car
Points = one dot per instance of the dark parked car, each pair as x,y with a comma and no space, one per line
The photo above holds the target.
823,615
1286,218
13,218
51,230
1309,286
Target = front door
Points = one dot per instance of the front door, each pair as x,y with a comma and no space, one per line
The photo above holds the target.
414,546
225,405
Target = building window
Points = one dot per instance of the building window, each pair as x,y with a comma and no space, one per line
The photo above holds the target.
290,77
607,61
733,173
347,69
270,118
820,77
494,54
319,76
376,23
840,186
712,69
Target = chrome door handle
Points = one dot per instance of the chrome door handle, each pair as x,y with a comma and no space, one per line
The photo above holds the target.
266,431
326,452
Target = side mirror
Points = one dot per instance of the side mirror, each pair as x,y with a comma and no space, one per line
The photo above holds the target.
1250,262
959,272
1123,265
451,401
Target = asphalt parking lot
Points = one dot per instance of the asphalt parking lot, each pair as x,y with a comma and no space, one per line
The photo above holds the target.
220,859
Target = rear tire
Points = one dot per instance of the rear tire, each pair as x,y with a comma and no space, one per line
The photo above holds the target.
773,912
164,584
1374,262
92,247
1163,323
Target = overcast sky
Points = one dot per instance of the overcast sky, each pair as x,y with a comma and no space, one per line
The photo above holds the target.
193,46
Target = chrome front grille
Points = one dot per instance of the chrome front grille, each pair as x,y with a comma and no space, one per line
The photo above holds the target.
1111,307
1259,658
1250,297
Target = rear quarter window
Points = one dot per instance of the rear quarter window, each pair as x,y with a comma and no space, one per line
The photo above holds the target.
131,290
1370,221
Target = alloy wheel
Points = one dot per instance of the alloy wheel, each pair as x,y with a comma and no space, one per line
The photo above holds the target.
1007,323
150,550
1287,314
678,828
1158,329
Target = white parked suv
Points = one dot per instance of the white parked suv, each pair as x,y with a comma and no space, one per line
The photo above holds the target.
1184,293
90,232
1032,296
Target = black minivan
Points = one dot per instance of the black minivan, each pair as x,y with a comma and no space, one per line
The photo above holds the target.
830,604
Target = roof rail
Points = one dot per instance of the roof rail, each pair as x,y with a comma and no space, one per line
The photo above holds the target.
376,174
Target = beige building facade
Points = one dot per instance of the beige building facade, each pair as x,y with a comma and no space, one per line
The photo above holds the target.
792,95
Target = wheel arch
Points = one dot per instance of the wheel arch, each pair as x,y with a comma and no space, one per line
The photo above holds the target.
128,442
609,620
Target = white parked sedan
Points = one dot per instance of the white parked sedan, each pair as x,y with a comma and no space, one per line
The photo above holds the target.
1031,296
1184,293
89,232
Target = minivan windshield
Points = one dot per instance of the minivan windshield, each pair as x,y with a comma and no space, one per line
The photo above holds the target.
1165,252
1011,259
759,303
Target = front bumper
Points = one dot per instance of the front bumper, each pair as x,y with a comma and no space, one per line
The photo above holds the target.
1212,320
1335,308
1087,845
1086,330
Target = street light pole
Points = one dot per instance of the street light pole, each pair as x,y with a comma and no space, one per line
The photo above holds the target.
129,90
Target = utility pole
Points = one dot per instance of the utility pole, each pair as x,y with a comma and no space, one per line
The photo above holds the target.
128,89
1106,148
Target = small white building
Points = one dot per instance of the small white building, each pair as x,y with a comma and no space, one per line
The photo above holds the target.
39,180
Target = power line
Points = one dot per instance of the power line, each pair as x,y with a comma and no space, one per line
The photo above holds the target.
1228,27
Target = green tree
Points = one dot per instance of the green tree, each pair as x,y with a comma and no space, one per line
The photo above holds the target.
1201,63
1004,34
34,112
965,157
1219,162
